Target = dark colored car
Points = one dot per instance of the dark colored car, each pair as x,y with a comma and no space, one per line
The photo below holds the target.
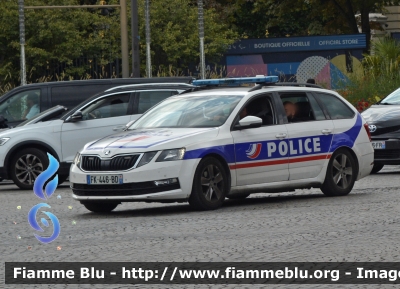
384,123
38,97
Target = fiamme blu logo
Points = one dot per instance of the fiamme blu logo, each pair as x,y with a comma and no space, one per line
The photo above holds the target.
45,194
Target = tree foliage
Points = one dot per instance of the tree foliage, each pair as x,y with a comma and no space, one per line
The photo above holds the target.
175,36
60,36
55,36
305,17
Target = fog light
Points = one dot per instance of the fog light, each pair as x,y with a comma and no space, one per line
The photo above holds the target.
166,182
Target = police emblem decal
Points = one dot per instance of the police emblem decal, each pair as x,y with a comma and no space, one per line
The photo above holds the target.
254,150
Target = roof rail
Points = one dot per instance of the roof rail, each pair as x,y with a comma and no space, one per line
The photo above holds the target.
239,80
149,84
297,84
261,85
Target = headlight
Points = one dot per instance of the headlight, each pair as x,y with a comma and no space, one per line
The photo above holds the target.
171,155
3,140
77,159
146,158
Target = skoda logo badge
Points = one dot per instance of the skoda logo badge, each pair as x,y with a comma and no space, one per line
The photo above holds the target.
372,128
107,152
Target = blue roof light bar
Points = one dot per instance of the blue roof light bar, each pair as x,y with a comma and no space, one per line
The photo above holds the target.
238,80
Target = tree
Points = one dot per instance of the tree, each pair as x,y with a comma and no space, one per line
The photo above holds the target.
175,37
334,16
54,37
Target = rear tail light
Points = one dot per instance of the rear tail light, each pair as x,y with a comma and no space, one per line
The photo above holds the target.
368,132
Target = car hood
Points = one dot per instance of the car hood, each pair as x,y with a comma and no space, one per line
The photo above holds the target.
381,113
142,140
383,121
31,129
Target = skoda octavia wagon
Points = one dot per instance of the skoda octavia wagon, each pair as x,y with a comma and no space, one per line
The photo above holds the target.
227,142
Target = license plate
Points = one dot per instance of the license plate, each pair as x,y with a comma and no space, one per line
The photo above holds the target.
104,179
379,145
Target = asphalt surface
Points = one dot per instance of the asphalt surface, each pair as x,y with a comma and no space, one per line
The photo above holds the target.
298,226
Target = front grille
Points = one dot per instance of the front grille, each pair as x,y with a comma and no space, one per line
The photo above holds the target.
118,163
130,189
387,154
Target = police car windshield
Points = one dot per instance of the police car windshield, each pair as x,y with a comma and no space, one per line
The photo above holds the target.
393,98
194,111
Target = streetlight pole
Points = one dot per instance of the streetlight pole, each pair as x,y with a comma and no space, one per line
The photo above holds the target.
135,39
201,36
21,17
124,40
148,38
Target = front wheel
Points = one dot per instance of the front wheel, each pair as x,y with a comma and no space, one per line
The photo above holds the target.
98,207
340,175
210,185
26,166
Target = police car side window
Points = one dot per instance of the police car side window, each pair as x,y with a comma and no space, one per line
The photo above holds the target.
299,108
260,107
336,108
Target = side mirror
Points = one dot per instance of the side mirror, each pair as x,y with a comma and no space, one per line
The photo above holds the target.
76,116
249,122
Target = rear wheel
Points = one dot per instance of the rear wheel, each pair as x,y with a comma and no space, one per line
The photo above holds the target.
210,185
376,169
340,175
98,207
26,166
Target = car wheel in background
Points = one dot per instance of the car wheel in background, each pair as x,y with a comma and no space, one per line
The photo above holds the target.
210,185
340,175
99,207
376,169
26,166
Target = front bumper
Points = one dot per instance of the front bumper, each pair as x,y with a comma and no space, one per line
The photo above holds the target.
390,155
125,192
138,183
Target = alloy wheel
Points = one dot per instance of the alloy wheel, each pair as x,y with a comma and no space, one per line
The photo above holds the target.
27,168
342,171
212,183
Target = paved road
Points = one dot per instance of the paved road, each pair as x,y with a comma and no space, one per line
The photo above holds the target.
299,226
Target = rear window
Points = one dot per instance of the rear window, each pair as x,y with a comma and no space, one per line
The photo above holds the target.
336,108
148,99
71,95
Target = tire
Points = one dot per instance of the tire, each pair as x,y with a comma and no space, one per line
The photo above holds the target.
62,178
340,175
210,185
26,165
238,197
98,207
376,169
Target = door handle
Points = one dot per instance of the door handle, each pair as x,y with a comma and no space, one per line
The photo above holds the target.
281,135
326,131
118,127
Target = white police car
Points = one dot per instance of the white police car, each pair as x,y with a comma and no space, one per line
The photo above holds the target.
210,144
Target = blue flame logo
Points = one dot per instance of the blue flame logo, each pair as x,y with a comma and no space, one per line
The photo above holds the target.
34,224
44,176
44,195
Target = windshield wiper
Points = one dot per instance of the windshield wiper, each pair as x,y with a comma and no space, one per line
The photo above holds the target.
386,103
